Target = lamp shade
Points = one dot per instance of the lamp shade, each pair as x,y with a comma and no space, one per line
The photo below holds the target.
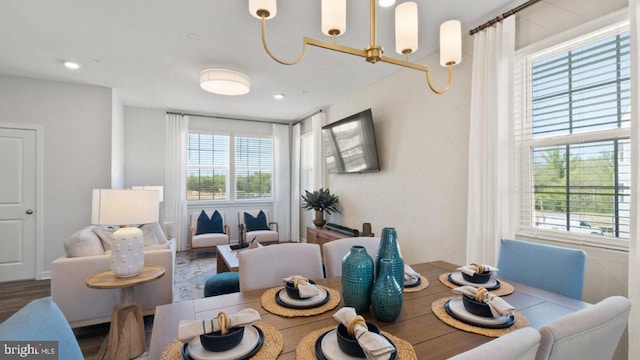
334,17
450,43
124,207
258,6
225,82
406,27
157,188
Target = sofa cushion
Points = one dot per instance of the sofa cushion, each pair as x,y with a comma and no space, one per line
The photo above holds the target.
159,233
209,226
256,223
83,242
149,236
105,233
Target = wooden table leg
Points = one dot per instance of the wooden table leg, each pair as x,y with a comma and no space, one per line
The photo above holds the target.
126,333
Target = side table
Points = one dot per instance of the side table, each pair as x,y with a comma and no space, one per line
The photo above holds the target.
126,333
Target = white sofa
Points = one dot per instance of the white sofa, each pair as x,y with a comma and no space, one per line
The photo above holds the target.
84,306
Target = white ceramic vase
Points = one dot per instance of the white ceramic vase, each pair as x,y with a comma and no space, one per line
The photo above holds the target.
127,252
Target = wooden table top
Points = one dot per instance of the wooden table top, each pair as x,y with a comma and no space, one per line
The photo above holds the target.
108,279
430,337
230,256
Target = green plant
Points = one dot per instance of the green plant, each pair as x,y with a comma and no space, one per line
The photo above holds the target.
321,200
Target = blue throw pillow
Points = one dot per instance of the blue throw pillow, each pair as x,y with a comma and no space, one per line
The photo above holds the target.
208,226
256,223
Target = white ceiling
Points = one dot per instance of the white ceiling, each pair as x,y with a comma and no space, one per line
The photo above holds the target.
152,51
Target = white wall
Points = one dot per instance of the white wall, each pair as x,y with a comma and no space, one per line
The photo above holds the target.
144,144
77,149
117,141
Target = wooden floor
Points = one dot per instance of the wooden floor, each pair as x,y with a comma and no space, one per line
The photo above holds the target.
15,295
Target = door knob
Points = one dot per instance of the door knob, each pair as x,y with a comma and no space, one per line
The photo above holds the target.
29,212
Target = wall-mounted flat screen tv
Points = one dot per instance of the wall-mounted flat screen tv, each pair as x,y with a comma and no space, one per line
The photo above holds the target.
350,144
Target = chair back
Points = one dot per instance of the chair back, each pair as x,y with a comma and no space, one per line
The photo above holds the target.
552,268
335,250
267,266
521,344
590,333
209,212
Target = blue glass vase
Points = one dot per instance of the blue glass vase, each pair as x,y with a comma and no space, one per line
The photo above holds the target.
357,278
390,249
386,296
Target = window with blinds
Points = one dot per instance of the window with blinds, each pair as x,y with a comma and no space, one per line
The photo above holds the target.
253,167
572,135
207,167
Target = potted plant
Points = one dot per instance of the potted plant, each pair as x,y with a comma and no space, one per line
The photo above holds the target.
320,201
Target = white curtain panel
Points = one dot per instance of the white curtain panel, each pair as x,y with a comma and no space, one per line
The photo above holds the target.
490,141
295,182
175,177
319,165
634,242
281,180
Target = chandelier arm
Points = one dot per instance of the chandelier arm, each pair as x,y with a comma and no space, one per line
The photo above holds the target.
449,80
266,47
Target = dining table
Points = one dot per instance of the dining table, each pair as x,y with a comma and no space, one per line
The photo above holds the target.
430,337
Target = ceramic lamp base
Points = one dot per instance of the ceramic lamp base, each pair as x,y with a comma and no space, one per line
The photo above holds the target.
127,253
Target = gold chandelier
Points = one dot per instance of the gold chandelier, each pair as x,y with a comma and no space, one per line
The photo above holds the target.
334,24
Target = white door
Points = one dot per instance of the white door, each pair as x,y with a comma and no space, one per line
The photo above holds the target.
17,204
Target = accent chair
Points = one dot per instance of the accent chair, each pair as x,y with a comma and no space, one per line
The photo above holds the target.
256,224
208,230
521,344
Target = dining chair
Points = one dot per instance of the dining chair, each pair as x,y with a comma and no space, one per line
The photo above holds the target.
267,266
208,230
590,333
256,224
521,344
552,268
335,250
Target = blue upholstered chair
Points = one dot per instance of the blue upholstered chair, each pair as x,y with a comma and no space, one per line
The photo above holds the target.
42,320
552,268
521,344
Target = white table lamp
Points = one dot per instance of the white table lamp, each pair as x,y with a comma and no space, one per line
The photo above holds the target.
125,208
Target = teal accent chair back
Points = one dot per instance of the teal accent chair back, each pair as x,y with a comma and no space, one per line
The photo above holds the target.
42,320
552,268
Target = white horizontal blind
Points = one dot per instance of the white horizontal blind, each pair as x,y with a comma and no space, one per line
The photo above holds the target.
572,134
253,168
207,167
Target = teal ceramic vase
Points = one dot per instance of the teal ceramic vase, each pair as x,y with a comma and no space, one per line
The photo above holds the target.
390,249
357,279
386,296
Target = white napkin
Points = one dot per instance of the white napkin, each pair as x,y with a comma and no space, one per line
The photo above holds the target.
471,269
305,288
497,305
375,347
188,329
410,275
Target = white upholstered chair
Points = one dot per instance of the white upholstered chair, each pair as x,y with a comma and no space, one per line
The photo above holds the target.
207,240
335,250
517,345
268,265
590,333
269,232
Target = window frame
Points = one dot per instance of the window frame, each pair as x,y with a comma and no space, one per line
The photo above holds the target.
598,29
231,174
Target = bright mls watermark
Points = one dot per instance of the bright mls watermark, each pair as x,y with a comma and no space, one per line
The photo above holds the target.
40,350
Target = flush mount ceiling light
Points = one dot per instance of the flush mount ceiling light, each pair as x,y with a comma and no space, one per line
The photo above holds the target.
224,82
334,15
71,65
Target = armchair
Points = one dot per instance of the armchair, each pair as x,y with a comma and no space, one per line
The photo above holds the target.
209,229
255,223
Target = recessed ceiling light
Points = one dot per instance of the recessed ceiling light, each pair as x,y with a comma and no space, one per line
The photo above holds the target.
71,65
278,96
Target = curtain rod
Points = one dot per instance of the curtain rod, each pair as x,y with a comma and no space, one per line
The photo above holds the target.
503,16
229,118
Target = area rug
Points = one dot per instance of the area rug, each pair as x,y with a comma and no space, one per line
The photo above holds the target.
190,276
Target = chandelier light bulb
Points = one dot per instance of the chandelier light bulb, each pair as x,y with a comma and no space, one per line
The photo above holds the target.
386,3
406,28
334,17
450,43
267,7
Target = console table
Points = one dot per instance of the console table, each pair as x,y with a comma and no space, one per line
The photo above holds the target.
320,236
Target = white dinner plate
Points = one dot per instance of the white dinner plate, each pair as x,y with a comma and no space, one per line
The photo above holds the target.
331,350
457,307
413,283
312,301
456,278
249,341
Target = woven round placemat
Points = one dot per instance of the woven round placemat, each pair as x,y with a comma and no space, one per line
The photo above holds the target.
306,349
438,309
504,289
271,347
268,302
424,283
